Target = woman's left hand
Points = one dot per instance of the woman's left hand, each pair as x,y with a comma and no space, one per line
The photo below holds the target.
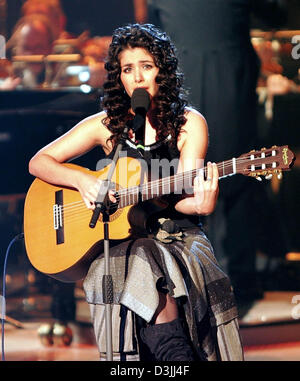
206,190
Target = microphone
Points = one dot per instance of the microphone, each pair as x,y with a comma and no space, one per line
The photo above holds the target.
140,102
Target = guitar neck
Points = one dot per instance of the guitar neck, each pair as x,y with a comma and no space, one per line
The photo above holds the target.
177,184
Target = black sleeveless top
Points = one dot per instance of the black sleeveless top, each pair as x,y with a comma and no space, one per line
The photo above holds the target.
161,160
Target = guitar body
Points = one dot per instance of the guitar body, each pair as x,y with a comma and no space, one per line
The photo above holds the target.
66,253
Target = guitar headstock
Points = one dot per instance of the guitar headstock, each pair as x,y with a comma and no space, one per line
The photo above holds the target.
266,162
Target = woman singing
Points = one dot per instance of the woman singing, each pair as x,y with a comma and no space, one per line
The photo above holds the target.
171,299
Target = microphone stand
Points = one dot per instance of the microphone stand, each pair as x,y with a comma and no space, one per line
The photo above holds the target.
102,206
140,102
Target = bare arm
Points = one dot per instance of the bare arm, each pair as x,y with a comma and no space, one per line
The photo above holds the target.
47,163
192,144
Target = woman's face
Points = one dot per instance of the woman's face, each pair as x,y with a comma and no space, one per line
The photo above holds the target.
138,70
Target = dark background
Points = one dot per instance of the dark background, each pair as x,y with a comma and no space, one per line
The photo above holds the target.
102,17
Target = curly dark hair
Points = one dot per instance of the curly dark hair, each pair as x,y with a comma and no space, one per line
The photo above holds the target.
170,101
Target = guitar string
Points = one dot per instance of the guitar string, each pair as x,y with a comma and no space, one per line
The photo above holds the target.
84,213
121,191
78,210
132,191
129,196
125,195
161,183
76,214
164,182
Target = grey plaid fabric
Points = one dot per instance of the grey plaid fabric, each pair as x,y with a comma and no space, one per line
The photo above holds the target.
186,269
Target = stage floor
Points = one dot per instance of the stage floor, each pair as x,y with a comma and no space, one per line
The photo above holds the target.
270,330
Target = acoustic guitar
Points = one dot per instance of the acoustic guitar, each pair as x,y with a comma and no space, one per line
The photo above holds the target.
58,239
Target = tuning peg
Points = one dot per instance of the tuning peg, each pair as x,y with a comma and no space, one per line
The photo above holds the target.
269,176
258,178
279,176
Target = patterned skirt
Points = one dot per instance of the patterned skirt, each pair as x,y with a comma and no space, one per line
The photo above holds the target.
187,269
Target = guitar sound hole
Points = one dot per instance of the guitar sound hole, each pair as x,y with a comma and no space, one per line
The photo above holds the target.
112,208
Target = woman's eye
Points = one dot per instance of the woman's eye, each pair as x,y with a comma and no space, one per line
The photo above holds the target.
147,66
127,70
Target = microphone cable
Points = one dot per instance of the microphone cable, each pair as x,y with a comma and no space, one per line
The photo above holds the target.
3,303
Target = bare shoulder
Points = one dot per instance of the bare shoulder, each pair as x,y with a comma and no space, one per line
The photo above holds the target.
194,131
93,121
94,125
98,117
194,119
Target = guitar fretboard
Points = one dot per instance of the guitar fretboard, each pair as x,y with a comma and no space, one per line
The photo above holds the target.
177,184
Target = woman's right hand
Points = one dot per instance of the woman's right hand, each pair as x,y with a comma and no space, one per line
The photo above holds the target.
89,187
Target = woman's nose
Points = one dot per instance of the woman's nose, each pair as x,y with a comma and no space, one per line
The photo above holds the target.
138,77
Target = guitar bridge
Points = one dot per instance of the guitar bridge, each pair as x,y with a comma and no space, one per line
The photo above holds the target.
58,224
57,217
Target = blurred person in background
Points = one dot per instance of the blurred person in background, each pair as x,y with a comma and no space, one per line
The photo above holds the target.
32,35
52,10
214,48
